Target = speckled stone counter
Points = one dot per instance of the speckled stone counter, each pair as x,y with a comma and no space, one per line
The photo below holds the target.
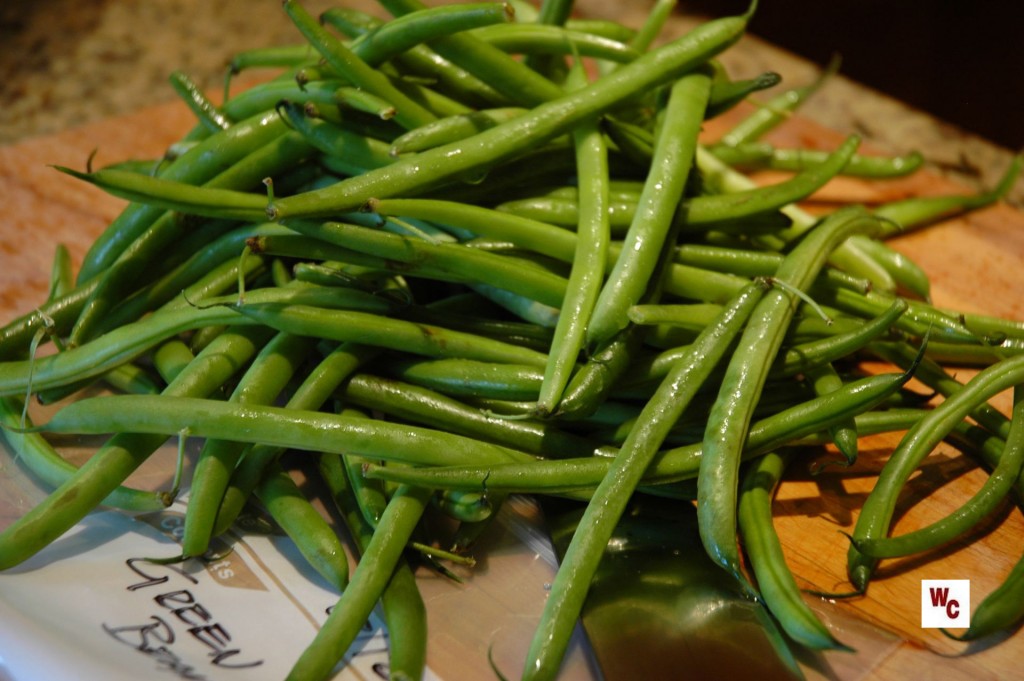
65,62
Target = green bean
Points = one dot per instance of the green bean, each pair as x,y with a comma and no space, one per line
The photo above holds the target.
825,379
589,262
938,379
465,379
131,340
46,464
580,561
171,358
61,276
970,513
800,357
451,129
776,110
762,155
317,541
876,514
715,208
121,455
1000,610
907,274
536,39
202,107
653,24
279,426
678,463
916,212
396,334
456,262
725,93
422,26
424,406
369,582
401,603
261,383
774,580
663,190
360,100
746,374
276,56
266,96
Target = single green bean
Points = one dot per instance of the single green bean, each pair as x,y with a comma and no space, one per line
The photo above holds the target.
774,580
663,189
201,106
455,261
534,39
396,334
746,373
317,541
131,340
452,129
762,155
423,26
588,264
426,407
776,110
726,93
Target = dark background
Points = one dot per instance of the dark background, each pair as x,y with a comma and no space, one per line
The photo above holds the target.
960,60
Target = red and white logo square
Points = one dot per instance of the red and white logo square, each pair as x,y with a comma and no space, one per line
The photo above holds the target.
945,603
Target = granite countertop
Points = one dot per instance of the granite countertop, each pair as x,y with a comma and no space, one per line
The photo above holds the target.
67,62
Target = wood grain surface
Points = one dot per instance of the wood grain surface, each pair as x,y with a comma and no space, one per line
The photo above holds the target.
975,264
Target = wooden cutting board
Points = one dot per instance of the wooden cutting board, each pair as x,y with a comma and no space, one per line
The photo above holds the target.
975,263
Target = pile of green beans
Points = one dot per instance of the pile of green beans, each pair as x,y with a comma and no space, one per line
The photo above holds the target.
481,249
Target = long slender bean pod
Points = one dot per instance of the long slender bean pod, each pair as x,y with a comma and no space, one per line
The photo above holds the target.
663,189
774,580
589,261
317,541
745,375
